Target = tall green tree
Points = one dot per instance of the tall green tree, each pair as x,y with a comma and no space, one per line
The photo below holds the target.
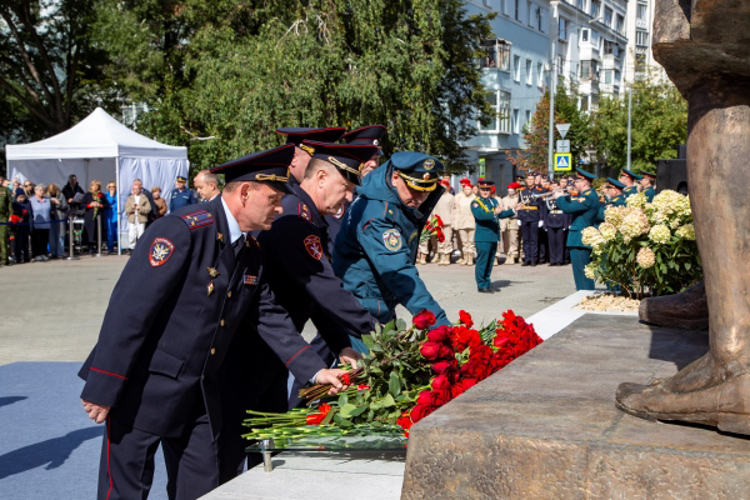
222,75
659,126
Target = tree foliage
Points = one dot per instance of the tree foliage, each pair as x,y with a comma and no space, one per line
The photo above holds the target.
222,75
658,127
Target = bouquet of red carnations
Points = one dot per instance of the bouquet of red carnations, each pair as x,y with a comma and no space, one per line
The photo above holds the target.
434,227
408,374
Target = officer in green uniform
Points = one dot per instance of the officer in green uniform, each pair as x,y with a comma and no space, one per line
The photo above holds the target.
584,208
647,184
614,190
629,178
487,213
6,207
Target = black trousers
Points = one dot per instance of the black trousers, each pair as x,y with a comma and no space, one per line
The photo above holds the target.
543,247
556,240
530,239
21,243
39,242
193,460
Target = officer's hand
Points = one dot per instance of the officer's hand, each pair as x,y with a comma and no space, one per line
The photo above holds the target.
349,355
557,194
97,413
332,376
518,207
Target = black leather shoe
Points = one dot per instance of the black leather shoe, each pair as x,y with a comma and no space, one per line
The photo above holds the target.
525,263
533,264
485,290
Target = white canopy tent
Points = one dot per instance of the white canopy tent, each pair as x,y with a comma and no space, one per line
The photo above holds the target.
100,148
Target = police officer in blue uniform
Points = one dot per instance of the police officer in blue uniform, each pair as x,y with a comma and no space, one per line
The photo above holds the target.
302,153
615,197
530,216
629,179
298,261
487,214
555,224
647,184
377,246
181,196
159,371
370,135
584,207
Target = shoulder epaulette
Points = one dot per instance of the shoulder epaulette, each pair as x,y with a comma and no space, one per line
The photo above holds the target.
197,219
303,211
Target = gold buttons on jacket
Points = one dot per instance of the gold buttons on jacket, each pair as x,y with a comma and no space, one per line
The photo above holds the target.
221,323
229,294
213,351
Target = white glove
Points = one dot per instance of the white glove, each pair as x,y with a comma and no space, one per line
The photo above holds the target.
541,223
519,223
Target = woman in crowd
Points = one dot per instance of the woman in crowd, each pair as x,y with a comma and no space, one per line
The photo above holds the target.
161,205
58,211
111,215
28,188
21,226
94,204
70,190
40,223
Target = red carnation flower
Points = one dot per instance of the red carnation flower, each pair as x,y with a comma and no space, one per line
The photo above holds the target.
317,418
465,319
363,387
424,320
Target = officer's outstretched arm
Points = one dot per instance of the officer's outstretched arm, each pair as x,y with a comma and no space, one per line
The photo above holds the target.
388,253
155,270
576,205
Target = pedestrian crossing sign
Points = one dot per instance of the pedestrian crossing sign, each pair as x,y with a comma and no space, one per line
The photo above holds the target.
563,162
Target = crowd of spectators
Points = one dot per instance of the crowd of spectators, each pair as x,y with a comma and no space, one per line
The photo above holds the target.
38,215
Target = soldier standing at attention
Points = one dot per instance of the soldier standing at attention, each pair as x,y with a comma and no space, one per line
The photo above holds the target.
181,196
530,217
629,178
376,249
487,212
584,208
647,185
159,377
6,208
463,222
555,223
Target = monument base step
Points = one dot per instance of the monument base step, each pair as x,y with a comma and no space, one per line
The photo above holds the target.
546,426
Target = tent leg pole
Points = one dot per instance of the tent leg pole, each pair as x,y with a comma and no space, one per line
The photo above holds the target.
117,185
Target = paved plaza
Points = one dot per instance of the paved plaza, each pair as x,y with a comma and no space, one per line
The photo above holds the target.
52,312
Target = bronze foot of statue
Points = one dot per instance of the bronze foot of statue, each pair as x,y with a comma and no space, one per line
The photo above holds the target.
702,393
688,309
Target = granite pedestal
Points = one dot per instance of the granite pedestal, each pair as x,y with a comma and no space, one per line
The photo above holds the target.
546,427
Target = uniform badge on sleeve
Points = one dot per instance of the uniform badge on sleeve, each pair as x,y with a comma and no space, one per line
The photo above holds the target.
250,279
340,213
161,250
313,247
392,240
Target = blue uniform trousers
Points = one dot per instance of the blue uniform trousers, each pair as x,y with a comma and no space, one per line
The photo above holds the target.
556,239
530,240
579,257
483,265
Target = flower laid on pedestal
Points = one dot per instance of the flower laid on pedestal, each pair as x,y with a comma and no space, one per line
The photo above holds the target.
645,247
408,374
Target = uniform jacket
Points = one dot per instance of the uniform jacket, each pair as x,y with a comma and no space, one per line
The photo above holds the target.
173,318
487,223
509,202
554,217
6,204
302,279
462,216
584,209
142,210
377,246
532,213
181,199
444,208
650,193
630,190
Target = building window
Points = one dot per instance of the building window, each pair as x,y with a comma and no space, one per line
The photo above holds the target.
595,8
582,5
562,29
517,68
516,123
486,2
499,101
561,65
620,23
528,119
595,39
617,77
497,54
642,12
588,70
518,10
608,76
584,35
640,63
536,16
608,16
540,72
641,38
529,75
502,7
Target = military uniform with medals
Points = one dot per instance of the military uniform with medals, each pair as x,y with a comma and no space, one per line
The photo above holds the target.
486,235
555,224
530,217
6,209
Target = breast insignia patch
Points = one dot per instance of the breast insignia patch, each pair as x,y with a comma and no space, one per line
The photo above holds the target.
313,246
392,240
161,250
304,212
250,280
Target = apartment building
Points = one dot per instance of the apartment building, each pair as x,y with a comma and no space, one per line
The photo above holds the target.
639,59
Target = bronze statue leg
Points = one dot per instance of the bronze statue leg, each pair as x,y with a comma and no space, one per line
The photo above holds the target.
711,65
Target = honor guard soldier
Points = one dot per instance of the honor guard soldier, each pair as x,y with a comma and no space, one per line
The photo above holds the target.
584,208
371,135
629,178
302,156
298,261
530,217
376,249
158,373
181,196
647,185
614,189
487,213
555,223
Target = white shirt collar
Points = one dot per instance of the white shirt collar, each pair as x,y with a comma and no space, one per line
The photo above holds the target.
234,228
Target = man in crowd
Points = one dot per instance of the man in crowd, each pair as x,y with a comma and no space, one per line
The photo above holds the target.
613,189
584,208
629,178
530,217
377,246
648,181
162,376
509,229
207,185
137,209
298,261
181,195
302,155
6,209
